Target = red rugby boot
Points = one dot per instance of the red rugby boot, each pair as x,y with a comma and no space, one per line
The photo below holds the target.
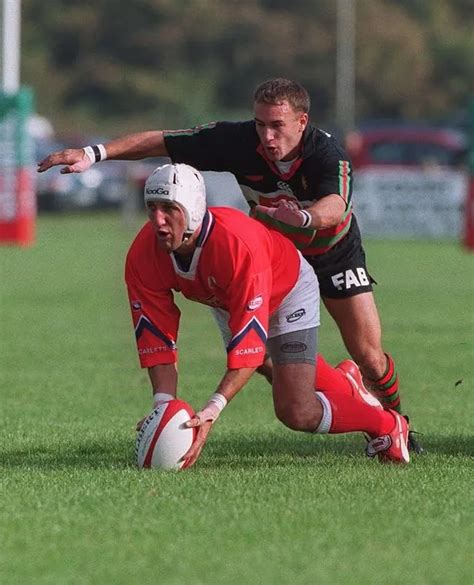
392,448
351,371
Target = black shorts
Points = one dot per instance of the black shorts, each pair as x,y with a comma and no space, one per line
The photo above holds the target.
342,271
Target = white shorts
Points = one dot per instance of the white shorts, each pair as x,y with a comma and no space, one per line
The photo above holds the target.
299,310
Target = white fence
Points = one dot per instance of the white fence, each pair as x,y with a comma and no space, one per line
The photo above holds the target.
410,203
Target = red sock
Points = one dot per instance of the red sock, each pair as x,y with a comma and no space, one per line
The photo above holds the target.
349,414
328,378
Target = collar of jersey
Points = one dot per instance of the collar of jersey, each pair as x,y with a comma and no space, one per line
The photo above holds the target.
206,229
285,176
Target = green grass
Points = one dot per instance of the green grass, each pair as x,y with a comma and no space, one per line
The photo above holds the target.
263,505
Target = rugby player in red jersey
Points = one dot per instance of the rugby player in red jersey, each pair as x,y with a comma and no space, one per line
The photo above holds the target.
269,294
297,179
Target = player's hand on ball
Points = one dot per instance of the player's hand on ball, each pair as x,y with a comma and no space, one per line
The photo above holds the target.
203,429
286,212
75,159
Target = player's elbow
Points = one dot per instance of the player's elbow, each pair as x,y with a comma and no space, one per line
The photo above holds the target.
328,212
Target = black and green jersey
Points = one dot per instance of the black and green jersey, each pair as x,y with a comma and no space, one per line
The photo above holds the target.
322,168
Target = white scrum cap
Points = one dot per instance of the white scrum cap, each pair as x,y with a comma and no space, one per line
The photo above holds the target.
181,184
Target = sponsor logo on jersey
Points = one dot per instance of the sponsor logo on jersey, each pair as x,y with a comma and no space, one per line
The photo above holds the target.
255,303
295,316
249,350
349,278
136,305
293,347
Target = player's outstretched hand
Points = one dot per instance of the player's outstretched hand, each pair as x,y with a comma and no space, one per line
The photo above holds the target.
75,159
203,429
286,212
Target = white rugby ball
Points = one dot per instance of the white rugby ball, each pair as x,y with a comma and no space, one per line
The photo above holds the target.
163,438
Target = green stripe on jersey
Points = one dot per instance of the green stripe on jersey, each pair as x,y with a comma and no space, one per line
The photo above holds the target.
189,131
329,241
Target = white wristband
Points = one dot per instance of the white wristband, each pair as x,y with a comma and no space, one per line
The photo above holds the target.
103,152
89,152
219,400
159,397
213,408
95,153
307,218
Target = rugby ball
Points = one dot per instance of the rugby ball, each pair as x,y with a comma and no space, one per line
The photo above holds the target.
163,438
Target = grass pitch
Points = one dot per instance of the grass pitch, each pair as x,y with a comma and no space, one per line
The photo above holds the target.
263,505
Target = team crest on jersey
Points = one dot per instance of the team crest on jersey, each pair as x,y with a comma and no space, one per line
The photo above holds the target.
136,305
284,187
255,303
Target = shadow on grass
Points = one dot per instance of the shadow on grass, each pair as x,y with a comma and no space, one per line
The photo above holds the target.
268,450
228,450
83,454
232,449
454,445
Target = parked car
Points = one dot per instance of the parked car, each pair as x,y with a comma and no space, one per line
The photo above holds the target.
102,186
115,184
408,146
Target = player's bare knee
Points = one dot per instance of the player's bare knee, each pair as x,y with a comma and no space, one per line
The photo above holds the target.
297,419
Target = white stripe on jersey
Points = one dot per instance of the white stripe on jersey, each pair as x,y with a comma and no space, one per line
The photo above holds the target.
247,326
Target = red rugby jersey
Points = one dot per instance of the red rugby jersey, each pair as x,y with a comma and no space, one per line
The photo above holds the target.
238,265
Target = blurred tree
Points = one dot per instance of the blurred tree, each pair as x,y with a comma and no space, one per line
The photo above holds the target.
393,64
110,67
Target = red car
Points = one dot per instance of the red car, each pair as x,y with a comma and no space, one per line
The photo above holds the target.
412,147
